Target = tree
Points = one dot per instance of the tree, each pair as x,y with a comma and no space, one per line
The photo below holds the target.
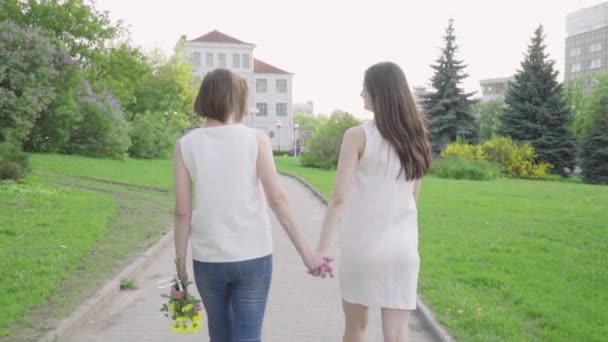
90,38
324,146
163,110
594,146
123,69
79,27
580,106
307,122
536,110
168,87
53,128
448,106
487,114
27,71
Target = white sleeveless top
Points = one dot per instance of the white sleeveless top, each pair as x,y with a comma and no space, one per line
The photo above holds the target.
379,260
229,217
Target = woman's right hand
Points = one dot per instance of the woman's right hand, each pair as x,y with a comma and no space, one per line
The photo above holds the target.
312,261
177,294
324,267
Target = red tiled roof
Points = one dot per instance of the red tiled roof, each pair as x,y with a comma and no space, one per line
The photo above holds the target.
216,36
260,67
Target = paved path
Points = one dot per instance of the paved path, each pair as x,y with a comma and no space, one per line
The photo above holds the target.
300,309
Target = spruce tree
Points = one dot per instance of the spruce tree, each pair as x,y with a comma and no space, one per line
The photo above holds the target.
594,145
447,105
536,110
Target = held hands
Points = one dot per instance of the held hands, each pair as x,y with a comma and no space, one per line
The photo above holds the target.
323,267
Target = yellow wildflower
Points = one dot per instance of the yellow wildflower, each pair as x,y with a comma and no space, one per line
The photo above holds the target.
187,308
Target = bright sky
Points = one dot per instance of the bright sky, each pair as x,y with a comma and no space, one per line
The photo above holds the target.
328,44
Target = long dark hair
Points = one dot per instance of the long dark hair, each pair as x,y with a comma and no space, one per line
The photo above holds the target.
398,119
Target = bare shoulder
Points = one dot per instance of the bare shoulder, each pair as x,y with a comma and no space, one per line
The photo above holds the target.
355,133
355,136
262,137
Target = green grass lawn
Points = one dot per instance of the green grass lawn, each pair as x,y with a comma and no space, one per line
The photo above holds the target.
43,233
509,260
71,226
151,173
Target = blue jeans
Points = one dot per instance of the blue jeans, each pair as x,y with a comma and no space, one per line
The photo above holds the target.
234,295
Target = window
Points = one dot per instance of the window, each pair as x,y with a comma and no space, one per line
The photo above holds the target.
596,63
262,109
595,47
221,60
196,59
575,68
281,109
575,52
236,60
246,61
209,60
281,86
261,85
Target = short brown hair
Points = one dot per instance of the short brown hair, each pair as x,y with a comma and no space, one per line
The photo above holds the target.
242,96
218,97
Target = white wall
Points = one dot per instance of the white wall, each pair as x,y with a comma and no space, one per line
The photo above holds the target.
215,49
271,98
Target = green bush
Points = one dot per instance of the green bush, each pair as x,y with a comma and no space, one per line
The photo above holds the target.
515,160
324,145
461,149
153,135
278,154
462,168
103,131
323,151
14,164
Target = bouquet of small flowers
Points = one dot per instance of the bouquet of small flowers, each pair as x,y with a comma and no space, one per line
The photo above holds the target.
183,308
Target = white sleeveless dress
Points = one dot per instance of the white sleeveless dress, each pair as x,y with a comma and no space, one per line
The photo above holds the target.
379,259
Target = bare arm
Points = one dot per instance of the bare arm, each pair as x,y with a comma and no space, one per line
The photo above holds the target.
417,185
183,210
352,148
279,202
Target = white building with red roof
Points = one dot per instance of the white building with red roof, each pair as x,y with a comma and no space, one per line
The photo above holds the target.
270,88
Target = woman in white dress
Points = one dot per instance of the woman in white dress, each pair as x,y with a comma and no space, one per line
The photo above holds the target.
377,184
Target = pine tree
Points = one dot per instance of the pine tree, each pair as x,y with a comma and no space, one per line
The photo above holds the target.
594,146
536,110
447,106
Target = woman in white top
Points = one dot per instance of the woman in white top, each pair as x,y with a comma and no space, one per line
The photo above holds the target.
377,183
228,167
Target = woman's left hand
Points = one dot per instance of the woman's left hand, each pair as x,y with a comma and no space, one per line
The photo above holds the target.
324,268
